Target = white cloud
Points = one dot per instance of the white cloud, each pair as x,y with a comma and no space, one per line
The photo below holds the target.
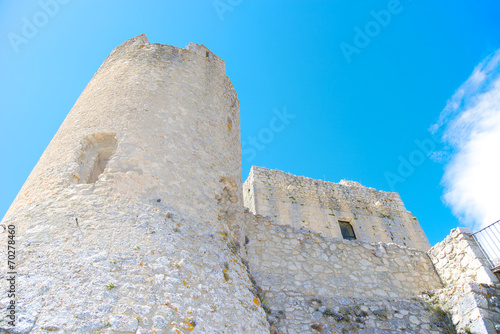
470,127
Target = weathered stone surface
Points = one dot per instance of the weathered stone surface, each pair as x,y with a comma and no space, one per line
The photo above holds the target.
333,277
349,270
471,290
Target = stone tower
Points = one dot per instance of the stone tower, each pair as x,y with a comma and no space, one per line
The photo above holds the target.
130,220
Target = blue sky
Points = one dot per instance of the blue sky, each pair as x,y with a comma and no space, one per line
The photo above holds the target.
362,84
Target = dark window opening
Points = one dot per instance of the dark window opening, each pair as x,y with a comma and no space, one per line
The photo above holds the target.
347,231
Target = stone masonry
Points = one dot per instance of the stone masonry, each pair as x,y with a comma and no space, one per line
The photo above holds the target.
136,220
376,216
472,291
316,284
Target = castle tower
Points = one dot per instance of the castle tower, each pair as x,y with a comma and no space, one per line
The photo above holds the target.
130,221
302,202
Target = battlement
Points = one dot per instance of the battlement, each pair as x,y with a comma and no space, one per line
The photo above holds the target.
375,216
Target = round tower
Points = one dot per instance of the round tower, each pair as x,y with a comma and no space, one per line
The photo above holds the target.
130,220
155,122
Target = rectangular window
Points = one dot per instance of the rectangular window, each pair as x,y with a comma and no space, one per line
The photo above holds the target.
347,231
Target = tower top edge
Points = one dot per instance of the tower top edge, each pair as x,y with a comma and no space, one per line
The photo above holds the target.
142,42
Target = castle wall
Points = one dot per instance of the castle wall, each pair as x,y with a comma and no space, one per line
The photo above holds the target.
472,291
128,222
376,216
132,222
296,267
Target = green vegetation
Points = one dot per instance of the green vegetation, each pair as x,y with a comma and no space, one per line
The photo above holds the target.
110,286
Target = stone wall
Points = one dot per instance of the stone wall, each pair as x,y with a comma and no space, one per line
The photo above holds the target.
474,308
472,291
309,281
95,264
459,260
376,216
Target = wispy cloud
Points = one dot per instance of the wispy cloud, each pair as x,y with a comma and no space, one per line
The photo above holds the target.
469,126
